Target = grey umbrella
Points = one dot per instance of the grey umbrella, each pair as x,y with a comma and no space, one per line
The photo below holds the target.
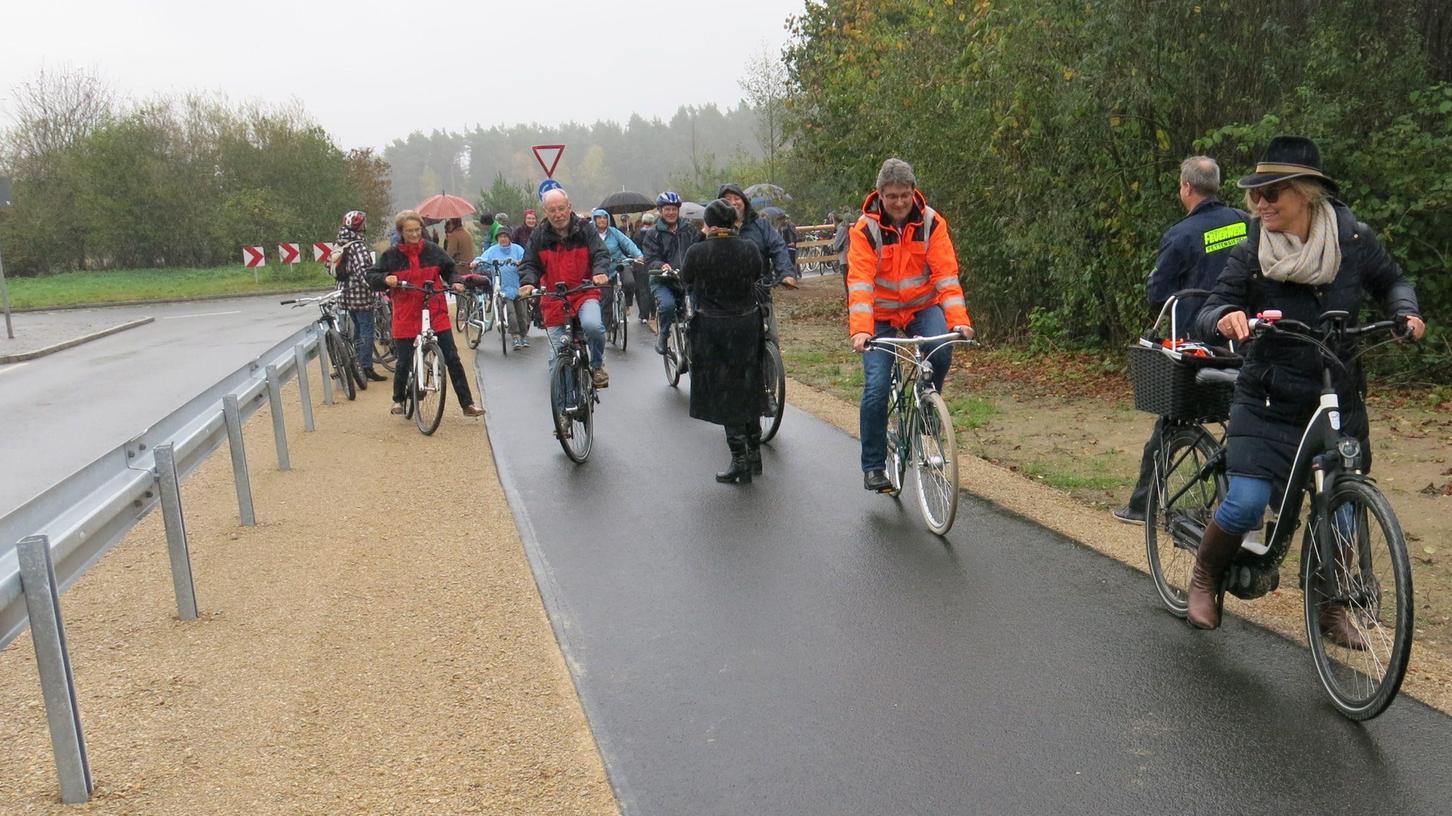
626,202
691,211
767,192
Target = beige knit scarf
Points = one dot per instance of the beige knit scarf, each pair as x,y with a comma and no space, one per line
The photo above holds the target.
1283,257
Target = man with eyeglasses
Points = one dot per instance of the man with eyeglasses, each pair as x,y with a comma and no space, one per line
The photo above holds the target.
1192,254
902,276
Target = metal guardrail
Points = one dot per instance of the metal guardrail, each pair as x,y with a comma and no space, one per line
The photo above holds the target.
51,540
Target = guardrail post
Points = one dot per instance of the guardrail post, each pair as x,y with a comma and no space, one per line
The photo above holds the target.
176,532
300,358
57,685
232,414
325,364
279,429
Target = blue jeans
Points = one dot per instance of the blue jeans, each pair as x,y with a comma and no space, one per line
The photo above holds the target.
594,335
1244,505
362,334
665,306
877,371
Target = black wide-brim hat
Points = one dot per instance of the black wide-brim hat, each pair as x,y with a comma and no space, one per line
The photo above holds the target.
1288,157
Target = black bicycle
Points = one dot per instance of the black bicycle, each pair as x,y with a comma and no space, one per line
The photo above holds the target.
1353,556
773,373
618,332
573,395
347,371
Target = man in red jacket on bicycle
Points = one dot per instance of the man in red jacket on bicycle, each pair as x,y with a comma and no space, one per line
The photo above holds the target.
569,251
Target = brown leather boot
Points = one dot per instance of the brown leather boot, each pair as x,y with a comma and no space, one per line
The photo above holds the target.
1336,626
1216,549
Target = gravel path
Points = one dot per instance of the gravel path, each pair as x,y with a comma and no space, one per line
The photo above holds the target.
375,645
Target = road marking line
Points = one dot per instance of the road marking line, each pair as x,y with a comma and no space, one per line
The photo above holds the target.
10,368
207,314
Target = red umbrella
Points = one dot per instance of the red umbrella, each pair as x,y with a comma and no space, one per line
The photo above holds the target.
444,206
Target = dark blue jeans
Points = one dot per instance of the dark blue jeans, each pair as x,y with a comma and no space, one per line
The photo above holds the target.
362,334
877,370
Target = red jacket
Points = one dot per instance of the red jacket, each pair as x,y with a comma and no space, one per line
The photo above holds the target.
415,264
913,268
571,259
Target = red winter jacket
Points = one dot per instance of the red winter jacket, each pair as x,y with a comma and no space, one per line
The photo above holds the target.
415,264
571,259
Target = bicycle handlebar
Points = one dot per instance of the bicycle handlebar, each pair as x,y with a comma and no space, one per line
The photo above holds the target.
296,302
879,342
539,293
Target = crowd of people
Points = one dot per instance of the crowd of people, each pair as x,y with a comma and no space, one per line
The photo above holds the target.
1295,248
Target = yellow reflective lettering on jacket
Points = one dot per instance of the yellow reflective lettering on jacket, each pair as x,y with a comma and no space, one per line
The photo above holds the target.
1224,237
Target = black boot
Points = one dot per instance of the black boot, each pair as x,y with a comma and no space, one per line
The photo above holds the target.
372,374
739,470
753,448
1204,599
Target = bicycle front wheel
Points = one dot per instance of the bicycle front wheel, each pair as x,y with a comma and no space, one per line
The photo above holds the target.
1186,487
571,400
936,461
432,384
342,359
773,377
1358,599
898,439
675,354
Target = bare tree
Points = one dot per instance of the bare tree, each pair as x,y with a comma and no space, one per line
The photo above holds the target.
766,85
54,111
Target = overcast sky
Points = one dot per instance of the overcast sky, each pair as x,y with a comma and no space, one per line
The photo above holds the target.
382,70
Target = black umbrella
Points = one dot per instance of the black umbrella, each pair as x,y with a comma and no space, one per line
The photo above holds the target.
626,202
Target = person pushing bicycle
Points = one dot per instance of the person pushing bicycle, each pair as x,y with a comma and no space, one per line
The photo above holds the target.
569,251
902,276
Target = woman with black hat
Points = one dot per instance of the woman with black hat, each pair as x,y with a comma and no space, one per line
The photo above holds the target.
1305,254
720,273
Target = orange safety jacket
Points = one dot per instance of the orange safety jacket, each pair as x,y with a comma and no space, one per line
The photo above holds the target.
893,274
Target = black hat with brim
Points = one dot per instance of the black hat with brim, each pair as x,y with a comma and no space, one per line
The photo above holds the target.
1288,157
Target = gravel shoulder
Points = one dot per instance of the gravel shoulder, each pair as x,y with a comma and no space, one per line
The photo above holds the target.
375,645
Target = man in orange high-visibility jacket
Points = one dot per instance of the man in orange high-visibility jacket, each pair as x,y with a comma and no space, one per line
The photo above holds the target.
902,276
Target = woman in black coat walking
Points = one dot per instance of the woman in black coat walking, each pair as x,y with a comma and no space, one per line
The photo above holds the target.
1306,254
721,273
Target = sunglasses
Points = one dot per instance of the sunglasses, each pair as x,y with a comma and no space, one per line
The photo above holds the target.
1271,193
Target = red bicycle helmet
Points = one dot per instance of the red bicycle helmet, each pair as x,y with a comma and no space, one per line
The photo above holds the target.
355,220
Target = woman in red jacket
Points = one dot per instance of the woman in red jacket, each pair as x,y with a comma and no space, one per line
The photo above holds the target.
416,261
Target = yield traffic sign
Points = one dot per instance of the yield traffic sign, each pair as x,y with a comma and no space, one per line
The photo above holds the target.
288,253
540,151
252,257
323,252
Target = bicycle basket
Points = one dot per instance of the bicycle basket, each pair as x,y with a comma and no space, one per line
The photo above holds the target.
1166,386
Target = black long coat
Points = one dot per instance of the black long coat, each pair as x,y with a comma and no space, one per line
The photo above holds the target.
725,333
1280,383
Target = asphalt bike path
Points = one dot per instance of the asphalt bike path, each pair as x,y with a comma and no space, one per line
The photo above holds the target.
800,646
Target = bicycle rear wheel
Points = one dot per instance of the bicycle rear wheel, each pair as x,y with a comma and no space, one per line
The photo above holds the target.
898,451
773,376
1186,487
461,312
383,353
501,306
432,386
624,323
572,405
936,463
1354,564
473,331
342,359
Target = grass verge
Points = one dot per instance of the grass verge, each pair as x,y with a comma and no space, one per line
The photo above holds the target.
128,285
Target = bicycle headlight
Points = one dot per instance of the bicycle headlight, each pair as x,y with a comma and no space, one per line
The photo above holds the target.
1350,451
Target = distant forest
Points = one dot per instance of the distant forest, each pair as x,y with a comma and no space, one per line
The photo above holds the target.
693,151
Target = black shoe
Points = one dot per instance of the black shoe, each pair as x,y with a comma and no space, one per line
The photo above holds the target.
374,375
1129,515
660,345
877,481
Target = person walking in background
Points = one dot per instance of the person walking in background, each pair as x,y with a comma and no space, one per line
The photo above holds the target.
839,244
488,230
508,255
416,262
357,296
1192,254
458,243
721,273
521,233
789,237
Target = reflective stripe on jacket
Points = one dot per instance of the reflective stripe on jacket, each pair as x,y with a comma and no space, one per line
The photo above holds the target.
892,282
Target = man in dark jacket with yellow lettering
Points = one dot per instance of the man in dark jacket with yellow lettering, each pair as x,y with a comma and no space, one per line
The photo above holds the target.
1192,254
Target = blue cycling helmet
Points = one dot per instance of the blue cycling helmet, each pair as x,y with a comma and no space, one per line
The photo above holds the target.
668,198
